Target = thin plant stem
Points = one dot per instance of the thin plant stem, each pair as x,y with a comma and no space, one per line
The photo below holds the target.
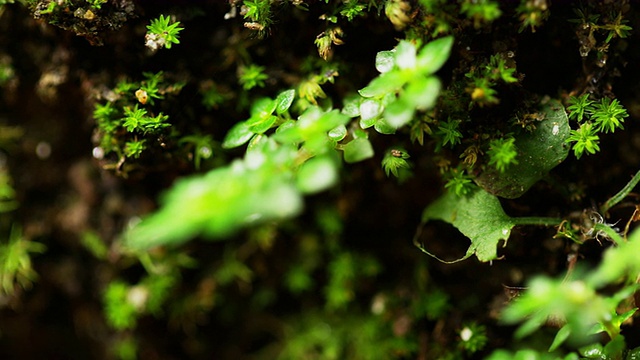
540,221
621,194
608,230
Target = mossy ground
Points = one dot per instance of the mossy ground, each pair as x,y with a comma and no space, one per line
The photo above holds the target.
66,192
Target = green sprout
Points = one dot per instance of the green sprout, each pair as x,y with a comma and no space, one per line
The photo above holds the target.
7,193
259,14
134,148
531,14
252,76
448,132
617,28
502,153
96,4
482,11
394,161
608,115
580,107
15,262
133,118
585,139
473,338
162,33
459,182
120,311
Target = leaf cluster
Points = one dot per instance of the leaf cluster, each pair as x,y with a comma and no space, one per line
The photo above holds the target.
129,124
604,116
162,32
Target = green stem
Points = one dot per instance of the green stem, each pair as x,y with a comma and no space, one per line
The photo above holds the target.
540,221
615,237
621,194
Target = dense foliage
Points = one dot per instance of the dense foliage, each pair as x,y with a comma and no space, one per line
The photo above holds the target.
337,179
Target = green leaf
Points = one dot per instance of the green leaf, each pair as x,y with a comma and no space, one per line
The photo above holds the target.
370,109
405,56
539,151
338,133
398,113
382,127
263,108
351,106
259,125
367,123
434,54
561,337
422,92
237,136
284,101
384,61
317,174
221,202
618,262
478,216
357,150
386,83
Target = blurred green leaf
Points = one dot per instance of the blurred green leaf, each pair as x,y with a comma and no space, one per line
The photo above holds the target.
317,174
220,202
237,136
357,150
422,92
388,82
434,54
260,125
370,109
385,61
405,55
338,133
398,113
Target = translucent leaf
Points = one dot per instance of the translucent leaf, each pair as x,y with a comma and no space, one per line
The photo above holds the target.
422,92
237,136
317,174
561,337
338,133
384,61
539,151
357,150
288,132
260,125
284,100
382,127
263,108
434,54
367,123
405,56
478,216
331,119
351,106
388,82
219,203
618,262
370,109
398,113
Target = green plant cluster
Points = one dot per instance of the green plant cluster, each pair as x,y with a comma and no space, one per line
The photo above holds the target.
16,269
130,123
162,33
604,116
481,130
